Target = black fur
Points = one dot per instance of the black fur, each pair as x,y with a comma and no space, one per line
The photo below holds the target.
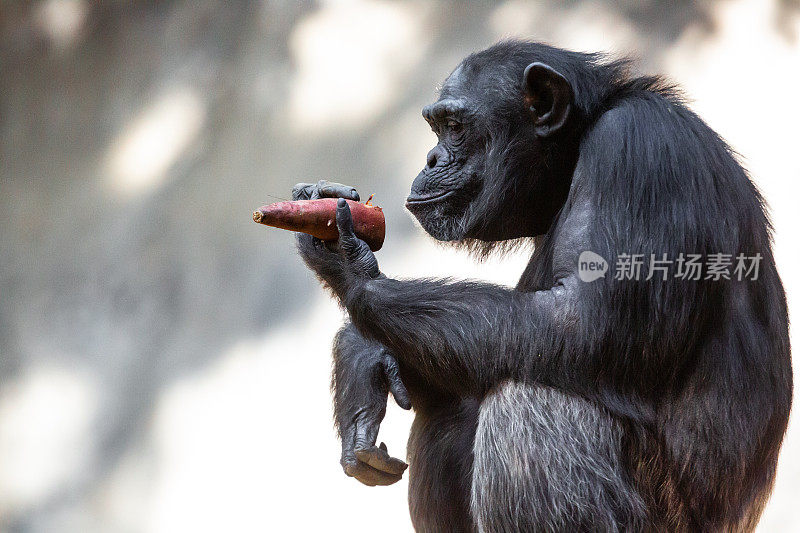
610,405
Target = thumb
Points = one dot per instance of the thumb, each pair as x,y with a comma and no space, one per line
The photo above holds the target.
396,386
344,220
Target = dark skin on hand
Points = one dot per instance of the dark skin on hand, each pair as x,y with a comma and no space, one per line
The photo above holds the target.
563,405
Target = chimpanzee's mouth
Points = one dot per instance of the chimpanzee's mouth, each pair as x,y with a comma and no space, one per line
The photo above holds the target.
418,200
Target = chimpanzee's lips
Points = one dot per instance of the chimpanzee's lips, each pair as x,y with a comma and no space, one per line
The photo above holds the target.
418,200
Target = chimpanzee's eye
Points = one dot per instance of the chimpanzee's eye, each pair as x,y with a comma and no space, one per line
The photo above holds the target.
455,127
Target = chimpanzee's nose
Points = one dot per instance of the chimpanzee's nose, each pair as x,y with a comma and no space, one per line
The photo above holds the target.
433,157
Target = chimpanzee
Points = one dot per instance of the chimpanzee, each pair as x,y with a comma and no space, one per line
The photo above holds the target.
571,403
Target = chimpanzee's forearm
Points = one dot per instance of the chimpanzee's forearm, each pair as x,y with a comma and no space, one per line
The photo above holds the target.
352,355
462,336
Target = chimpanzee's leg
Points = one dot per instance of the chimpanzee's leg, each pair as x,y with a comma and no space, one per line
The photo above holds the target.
440,471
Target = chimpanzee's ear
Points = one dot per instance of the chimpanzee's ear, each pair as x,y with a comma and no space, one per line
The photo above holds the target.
549,97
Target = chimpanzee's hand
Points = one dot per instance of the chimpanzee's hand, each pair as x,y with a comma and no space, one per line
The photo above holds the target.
361,262
364,374
335,262
322,258
324,189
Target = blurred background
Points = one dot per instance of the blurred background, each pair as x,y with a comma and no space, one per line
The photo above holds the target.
164,361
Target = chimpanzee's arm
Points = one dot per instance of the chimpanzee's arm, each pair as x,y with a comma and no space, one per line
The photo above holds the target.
363,374
464,336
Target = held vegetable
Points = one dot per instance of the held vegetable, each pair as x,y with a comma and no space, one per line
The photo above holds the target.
318,218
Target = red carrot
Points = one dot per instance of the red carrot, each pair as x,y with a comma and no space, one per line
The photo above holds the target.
318,218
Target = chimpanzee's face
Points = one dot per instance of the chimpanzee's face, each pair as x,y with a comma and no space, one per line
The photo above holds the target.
498,170
452,178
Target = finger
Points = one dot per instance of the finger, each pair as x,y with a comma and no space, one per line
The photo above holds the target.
348,241
348,445
366,431
370,476
377,457
302,191
337,190
396,387
361,471
344,220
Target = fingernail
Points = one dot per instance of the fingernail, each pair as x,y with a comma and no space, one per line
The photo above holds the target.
342,202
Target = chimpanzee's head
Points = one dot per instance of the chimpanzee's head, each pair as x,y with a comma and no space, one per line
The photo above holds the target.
506,149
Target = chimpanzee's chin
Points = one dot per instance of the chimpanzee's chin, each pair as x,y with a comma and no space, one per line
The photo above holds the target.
436,223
